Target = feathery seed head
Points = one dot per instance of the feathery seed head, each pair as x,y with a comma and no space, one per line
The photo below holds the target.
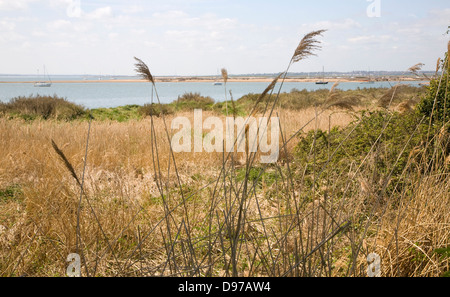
307,46
225,75
416,67
143,70
438,65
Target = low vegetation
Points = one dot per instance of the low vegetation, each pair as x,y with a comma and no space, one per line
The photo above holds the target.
55,108
42,107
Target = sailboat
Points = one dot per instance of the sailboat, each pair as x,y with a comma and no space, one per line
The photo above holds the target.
44,84
217,81
323,82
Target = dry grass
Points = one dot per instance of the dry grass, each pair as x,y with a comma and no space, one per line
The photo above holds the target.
123,204
119,182
135,208
307,46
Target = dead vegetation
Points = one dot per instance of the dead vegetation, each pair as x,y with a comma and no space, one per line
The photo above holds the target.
117,194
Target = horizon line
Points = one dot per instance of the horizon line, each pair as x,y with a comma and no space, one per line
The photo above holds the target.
230,74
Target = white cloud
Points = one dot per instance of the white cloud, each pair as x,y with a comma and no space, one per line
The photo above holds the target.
372,39
171,15
439,17
38,33
138,31
59,25
77,9
11,37
344,24
338,25
26,45
100,13
6,26
133,9
14,4
60,3
59,44
178,18
113,36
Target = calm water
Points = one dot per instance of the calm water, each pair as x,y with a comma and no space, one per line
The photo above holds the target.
113,94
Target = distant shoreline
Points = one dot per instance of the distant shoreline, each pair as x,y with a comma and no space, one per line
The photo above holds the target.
209,80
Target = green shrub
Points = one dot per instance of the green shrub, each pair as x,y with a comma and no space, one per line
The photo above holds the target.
11,193
232,108
191,101
444,253
155,109
380,138
120,114
45,107
436,102
302,99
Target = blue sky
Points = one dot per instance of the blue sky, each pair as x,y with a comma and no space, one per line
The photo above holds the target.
198,37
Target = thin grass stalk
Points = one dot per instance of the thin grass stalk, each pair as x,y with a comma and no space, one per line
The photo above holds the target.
142,69
78,233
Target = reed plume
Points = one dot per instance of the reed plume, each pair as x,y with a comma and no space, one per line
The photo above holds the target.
143,70
438,65
332,95
334,87
269,88
66,162
266,91
335,99
307,46
225,75
416,68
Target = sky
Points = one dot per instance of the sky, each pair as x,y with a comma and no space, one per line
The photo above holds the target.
199,37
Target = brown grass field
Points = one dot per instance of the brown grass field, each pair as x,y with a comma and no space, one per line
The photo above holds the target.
122,204
351,180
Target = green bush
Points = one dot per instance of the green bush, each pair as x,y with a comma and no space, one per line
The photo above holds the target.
45,107
436,102
302,99
295,100
380,138
120,114
191,101
155,109
383,142
11,193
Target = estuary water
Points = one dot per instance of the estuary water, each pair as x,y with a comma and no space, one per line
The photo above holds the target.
112,94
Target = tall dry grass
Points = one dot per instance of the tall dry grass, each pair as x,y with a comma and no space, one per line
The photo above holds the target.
139,209
123,204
